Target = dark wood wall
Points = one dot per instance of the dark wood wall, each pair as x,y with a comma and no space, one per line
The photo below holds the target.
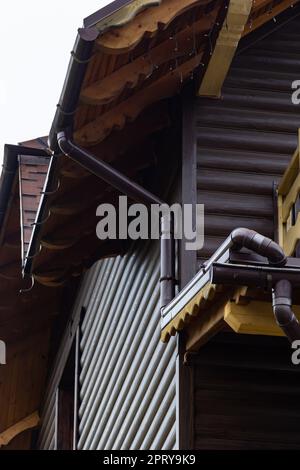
246,138
246,394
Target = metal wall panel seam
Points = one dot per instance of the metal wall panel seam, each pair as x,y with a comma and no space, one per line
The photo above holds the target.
170,442
49,405
102,356
165,425
126,346
152,325
116,283
144,393
148,371
152,427
102,288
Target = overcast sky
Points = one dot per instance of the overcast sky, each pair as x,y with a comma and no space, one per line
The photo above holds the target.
36,38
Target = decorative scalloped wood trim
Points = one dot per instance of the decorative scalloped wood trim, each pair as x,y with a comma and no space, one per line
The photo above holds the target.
94,132
145,24
9,434
130,75
209,316
192,309
206,326
125,14
226,45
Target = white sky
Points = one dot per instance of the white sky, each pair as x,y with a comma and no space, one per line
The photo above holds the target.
36,38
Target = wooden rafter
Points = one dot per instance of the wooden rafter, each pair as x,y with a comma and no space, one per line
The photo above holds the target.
146,24
182,44
226,45
255,318
9,434
255,22
95,131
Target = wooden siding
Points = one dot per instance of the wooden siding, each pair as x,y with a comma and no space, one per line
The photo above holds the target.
246,139
246,394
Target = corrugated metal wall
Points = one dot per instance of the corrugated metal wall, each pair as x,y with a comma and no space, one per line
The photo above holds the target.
128,375
127,379
246,394
246,139
47,433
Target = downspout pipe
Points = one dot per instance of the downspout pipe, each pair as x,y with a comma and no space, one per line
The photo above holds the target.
282,308
281,292
136,192
105,171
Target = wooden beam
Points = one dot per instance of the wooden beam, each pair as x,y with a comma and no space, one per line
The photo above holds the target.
255,318
145,25
30,422
130,75
225,48
95,131
290,174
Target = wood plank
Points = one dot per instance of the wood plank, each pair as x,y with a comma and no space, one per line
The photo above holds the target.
225,48
125,14
255,318
130,75
29,422
290,174
252,25
291,238
146,24
290,199
127,111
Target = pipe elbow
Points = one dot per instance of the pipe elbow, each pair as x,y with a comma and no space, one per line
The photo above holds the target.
283,314
63,143
243,237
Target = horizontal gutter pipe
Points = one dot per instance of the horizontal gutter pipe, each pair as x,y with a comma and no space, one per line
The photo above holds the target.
136,192
66,108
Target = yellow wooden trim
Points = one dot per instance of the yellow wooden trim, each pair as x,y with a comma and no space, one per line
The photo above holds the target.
290,198
288,191
289,174
226,45
206,325
190,309
255,318
9,434
280,221
291,238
